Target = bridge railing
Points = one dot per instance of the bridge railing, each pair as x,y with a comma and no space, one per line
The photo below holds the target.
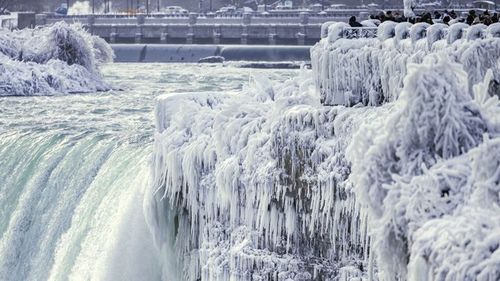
360,32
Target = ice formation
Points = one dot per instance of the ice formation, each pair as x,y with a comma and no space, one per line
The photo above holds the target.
372,71
398,182
51,60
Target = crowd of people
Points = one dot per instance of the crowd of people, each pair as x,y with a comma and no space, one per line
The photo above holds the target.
446,17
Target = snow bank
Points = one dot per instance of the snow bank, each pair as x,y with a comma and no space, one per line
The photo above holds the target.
52,60
372,71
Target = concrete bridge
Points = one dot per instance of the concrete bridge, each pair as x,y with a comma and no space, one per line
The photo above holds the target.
304,29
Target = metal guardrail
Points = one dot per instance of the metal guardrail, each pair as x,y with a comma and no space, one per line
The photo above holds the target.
360,32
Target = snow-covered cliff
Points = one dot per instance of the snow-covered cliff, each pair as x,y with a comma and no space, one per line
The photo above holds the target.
51,60
271,184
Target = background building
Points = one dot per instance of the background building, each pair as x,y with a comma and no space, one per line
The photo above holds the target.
197,5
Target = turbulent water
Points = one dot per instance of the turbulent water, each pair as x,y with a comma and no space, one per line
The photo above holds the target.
74,171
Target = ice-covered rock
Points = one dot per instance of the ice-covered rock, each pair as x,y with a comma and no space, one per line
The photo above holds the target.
52,60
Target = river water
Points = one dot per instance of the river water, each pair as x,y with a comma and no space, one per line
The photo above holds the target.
74,172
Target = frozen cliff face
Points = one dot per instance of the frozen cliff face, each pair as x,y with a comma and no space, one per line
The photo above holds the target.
258,182
271,184
372,71
51,60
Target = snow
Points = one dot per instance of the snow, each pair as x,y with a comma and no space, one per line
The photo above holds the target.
58,59
397,181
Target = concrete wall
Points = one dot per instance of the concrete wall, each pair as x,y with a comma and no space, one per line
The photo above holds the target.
201,30
194,53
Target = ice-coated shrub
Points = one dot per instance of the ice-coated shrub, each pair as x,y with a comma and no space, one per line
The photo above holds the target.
479,57
435,33
454,217
336,31
52,60
494,30
476,31
456,32
103,52
62,42
386,30
410,168
8,45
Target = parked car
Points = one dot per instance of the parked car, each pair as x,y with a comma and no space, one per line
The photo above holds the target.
175,10
228,10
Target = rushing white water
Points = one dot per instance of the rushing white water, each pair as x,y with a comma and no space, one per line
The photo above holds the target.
73,173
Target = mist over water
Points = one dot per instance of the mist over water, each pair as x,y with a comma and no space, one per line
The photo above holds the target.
74,175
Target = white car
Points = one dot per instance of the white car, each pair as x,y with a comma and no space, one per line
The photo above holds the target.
226,10
175,10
